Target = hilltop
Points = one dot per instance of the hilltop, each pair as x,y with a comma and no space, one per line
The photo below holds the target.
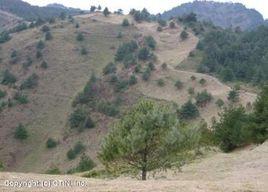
225,15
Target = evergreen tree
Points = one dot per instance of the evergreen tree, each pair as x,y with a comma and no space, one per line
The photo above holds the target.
106,12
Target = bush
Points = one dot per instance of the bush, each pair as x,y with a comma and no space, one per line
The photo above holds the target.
164,66
144,54
106,12
21,132
184,35
4,37
53,171
48,36
119,35
51,143
40,45
203,98
39,54
13,54
219,103
126,49
232,130
45,29
30,83
150,42
129,60
80,37
2,94
125,23
77,118
146,74
191,91
8,78
107,108
188,111
138,68
109,68
121,85
161,82
44,65
78,148
172,25
159,29
20,98
162,22
27,63
233,96
85,164
83,51
202,81
193,78
132,80
178,84
113,79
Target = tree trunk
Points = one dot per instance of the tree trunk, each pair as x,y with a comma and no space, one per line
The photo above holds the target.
143,174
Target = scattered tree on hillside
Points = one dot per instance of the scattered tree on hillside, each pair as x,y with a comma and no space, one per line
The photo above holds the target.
162,23
203,98
30,83
8,78
109,68
184,35
178,84
147,138
150,42
80,37
125,23
40,45
21,132
233,96
144,54
93,8
188,111
106,12
48,36
219,103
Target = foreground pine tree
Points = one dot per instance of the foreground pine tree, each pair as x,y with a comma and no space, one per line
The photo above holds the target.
147,138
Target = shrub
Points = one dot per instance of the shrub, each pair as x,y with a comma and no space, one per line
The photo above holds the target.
89,123
202,81
21,132
233,96
27,63
80,37
113,79
108,108
39,54
138,68
178,84
40,45
4,37
48,36
78,148
83,51
125,23
13,54
30,83
77,118
150,42
125,49
188,111
184,35
146,74
164,66
144,54
53,171
8,78
159,29
132,80
193,78
232,130
161,82
162,22
85,164
119,35
109,68
2,94
203,98
51,143
20,98
77,25
52,20
219,103
45,29
191,91
44,65
129,60
106,12
172,25
121,85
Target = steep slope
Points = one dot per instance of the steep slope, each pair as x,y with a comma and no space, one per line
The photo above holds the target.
244,170
220,14
8,21
29,12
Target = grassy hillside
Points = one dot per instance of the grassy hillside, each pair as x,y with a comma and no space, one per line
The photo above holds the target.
8,21
50,102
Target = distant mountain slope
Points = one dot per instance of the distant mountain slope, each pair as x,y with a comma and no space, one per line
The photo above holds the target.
29,12
7,20
221,14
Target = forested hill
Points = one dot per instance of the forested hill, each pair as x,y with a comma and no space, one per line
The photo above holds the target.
236,55
224,15
29,12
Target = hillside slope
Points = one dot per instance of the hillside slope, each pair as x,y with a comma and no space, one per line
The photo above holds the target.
224,15
50,103
242,170
8,21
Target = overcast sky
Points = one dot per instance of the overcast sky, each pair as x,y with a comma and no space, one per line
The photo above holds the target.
154,6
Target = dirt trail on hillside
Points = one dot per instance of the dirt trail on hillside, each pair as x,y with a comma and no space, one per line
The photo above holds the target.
240,171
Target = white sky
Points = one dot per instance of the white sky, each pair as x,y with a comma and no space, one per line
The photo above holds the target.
154,6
